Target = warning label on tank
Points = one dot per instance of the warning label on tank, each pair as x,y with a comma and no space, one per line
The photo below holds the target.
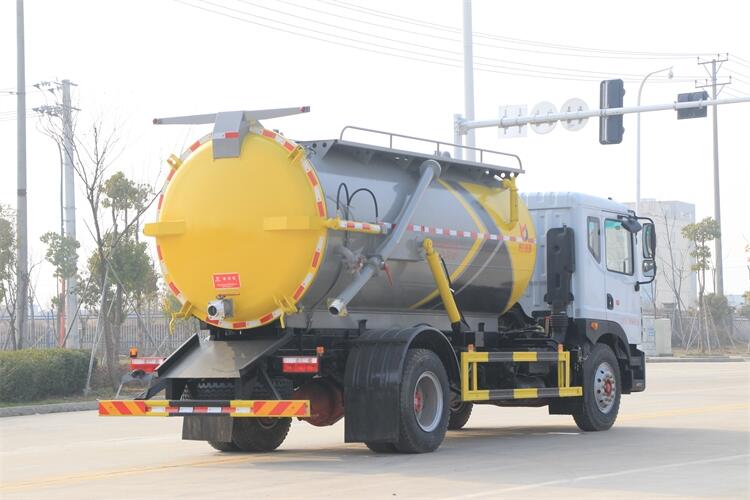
226,280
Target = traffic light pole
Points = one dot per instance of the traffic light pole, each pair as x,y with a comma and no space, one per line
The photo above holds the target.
463,126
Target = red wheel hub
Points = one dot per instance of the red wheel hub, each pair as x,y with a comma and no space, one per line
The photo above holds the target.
608,387
418,401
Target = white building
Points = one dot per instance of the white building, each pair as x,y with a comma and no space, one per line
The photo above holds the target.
674,275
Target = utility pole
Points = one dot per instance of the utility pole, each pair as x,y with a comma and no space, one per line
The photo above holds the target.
22,264
469,79
64,111
716,88
71,288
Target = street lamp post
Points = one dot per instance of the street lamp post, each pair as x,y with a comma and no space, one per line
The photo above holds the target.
638,140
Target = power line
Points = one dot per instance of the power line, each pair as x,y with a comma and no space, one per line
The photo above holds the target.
420,55
734,72
567,71
741,60
616,54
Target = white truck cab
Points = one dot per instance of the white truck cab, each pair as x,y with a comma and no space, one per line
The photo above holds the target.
611,263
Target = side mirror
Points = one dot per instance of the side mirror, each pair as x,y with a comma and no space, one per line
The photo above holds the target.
648,268
630,224
649,242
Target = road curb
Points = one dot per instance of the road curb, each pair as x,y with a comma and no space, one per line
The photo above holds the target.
18,411
705,359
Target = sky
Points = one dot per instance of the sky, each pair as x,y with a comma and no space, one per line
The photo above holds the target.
387,65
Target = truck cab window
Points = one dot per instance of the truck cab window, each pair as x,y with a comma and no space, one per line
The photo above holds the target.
594,238
618,243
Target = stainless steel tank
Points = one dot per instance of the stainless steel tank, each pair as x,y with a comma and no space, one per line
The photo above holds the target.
278,231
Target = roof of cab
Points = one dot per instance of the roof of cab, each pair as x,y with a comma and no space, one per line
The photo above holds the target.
540,201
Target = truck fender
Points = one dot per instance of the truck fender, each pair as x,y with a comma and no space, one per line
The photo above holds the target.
611,334
373,378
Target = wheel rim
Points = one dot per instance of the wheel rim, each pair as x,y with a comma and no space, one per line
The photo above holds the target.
605,387
428,401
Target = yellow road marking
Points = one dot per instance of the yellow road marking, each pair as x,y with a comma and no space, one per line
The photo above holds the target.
61,480
58,480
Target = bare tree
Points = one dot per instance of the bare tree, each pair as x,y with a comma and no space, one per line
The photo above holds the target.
8,281
115,207
674,265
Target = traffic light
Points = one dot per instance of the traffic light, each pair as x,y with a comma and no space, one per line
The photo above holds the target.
611,93
683,114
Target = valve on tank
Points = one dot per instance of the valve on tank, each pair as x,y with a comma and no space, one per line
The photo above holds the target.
219,309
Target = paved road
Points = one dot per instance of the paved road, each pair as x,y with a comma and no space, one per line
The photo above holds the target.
687,436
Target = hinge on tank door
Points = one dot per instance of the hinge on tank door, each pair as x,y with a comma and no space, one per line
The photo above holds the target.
230,127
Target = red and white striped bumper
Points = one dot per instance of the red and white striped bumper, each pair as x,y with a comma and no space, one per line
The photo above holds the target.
234,408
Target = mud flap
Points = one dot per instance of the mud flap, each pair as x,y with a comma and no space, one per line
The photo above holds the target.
373,380
207,428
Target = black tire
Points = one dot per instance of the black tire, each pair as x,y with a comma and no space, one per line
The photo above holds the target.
423,403
601,390
382,447
223,446
459,416
260,434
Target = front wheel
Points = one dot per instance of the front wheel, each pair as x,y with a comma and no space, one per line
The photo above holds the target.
423,403
601,390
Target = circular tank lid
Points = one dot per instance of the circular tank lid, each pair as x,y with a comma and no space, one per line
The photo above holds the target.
247,229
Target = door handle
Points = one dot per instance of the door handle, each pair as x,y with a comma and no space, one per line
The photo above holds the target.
610,302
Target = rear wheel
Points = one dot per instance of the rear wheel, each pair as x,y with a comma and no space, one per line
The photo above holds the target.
382,447
223,446
260,434
460,413
423,403
601,390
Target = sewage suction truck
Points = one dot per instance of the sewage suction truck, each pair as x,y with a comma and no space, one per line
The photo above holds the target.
376,278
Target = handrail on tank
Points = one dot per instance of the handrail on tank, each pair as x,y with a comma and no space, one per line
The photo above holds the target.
437,145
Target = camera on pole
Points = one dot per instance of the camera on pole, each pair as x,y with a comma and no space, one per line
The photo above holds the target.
611,94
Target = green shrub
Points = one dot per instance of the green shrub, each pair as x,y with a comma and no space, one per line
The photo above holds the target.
32,374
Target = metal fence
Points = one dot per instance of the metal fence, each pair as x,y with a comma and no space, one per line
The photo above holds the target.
730,333
151,336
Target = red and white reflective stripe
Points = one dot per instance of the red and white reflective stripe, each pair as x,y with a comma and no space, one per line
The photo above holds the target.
312,178
454,233
146,361
288,145
226,135
299,364
176,292
191,149
363,226
239,325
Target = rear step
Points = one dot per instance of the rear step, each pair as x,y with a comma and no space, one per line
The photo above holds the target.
234,408
469,383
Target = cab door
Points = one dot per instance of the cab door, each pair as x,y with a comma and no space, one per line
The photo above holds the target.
622,301
590,266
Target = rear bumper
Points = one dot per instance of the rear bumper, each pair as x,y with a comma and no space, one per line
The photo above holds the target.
234,408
